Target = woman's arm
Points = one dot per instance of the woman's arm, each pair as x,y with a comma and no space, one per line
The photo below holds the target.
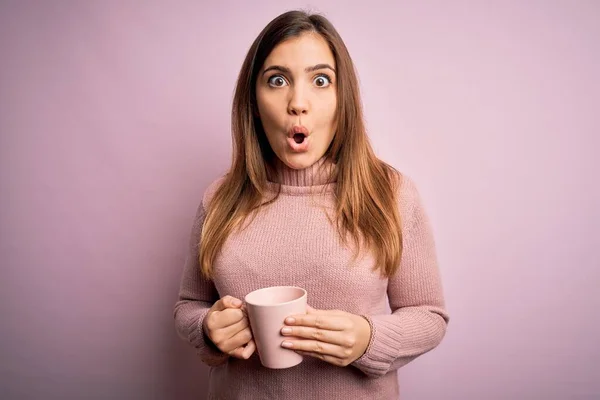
419,318
196,296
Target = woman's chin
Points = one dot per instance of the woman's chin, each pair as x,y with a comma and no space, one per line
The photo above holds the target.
299,161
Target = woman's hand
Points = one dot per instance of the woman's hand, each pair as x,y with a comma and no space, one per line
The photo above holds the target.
336,337
226,324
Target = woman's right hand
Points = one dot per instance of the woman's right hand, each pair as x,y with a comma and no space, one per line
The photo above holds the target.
226,324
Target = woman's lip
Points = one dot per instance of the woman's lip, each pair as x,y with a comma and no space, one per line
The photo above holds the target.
298,129
298,147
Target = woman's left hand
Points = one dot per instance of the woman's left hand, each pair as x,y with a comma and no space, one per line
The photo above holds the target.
336,337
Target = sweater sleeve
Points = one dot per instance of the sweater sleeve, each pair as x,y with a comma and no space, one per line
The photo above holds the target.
196,296
418,320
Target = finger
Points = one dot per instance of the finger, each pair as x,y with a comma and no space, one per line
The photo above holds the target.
330,359
220,336
244,352
231,330
314,346
227,302
249,349
322,335
237,353
227,317
238,340
319,320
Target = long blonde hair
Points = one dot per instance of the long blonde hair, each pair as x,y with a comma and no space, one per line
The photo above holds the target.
366,204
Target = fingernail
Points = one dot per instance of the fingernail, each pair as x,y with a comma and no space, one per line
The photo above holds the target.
290,320
286,330
287,344
237,302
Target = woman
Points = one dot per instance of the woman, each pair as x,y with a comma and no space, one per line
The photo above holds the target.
307,203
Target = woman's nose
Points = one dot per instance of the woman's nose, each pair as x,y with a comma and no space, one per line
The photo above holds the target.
298,104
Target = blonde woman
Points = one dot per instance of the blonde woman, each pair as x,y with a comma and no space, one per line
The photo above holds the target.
307,203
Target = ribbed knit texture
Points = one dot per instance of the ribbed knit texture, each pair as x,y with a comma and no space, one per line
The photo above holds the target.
292,242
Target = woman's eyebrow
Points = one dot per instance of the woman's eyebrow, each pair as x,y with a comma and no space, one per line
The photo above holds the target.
307,69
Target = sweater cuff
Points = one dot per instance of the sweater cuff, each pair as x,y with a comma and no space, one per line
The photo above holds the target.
398,338
205,348
372,362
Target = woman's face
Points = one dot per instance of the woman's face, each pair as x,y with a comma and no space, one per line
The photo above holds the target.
296,98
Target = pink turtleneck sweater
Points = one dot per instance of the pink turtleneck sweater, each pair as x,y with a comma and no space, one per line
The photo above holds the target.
291,242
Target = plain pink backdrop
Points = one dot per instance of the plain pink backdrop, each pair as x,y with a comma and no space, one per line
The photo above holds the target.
114,117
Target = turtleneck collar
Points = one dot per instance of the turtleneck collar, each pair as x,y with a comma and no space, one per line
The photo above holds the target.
318,174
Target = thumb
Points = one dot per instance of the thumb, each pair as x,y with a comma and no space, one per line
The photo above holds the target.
227,302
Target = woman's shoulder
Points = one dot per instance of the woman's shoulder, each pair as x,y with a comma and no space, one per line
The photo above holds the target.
406,191
407,187
211,190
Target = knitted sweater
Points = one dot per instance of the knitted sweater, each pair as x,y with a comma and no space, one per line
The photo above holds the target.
292,242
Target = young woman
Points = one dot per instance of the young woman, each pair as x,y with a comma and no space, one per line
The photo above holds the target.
307,203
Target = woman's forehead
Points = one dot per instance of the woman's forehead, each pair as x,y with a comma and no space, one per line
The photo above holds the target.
300,52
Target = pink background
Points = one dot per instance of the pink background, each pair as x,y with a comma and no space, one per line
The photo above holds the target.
114,117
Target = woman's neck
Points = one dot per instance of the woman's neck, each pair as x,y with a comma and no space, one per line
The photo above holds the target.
320,173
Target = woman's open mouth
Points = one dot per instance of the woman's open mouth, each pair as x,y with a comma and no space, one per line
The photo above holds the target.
298,139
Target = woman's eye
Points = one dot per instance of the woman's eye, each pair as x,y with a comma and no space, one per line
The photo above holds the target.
322,81
277,81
